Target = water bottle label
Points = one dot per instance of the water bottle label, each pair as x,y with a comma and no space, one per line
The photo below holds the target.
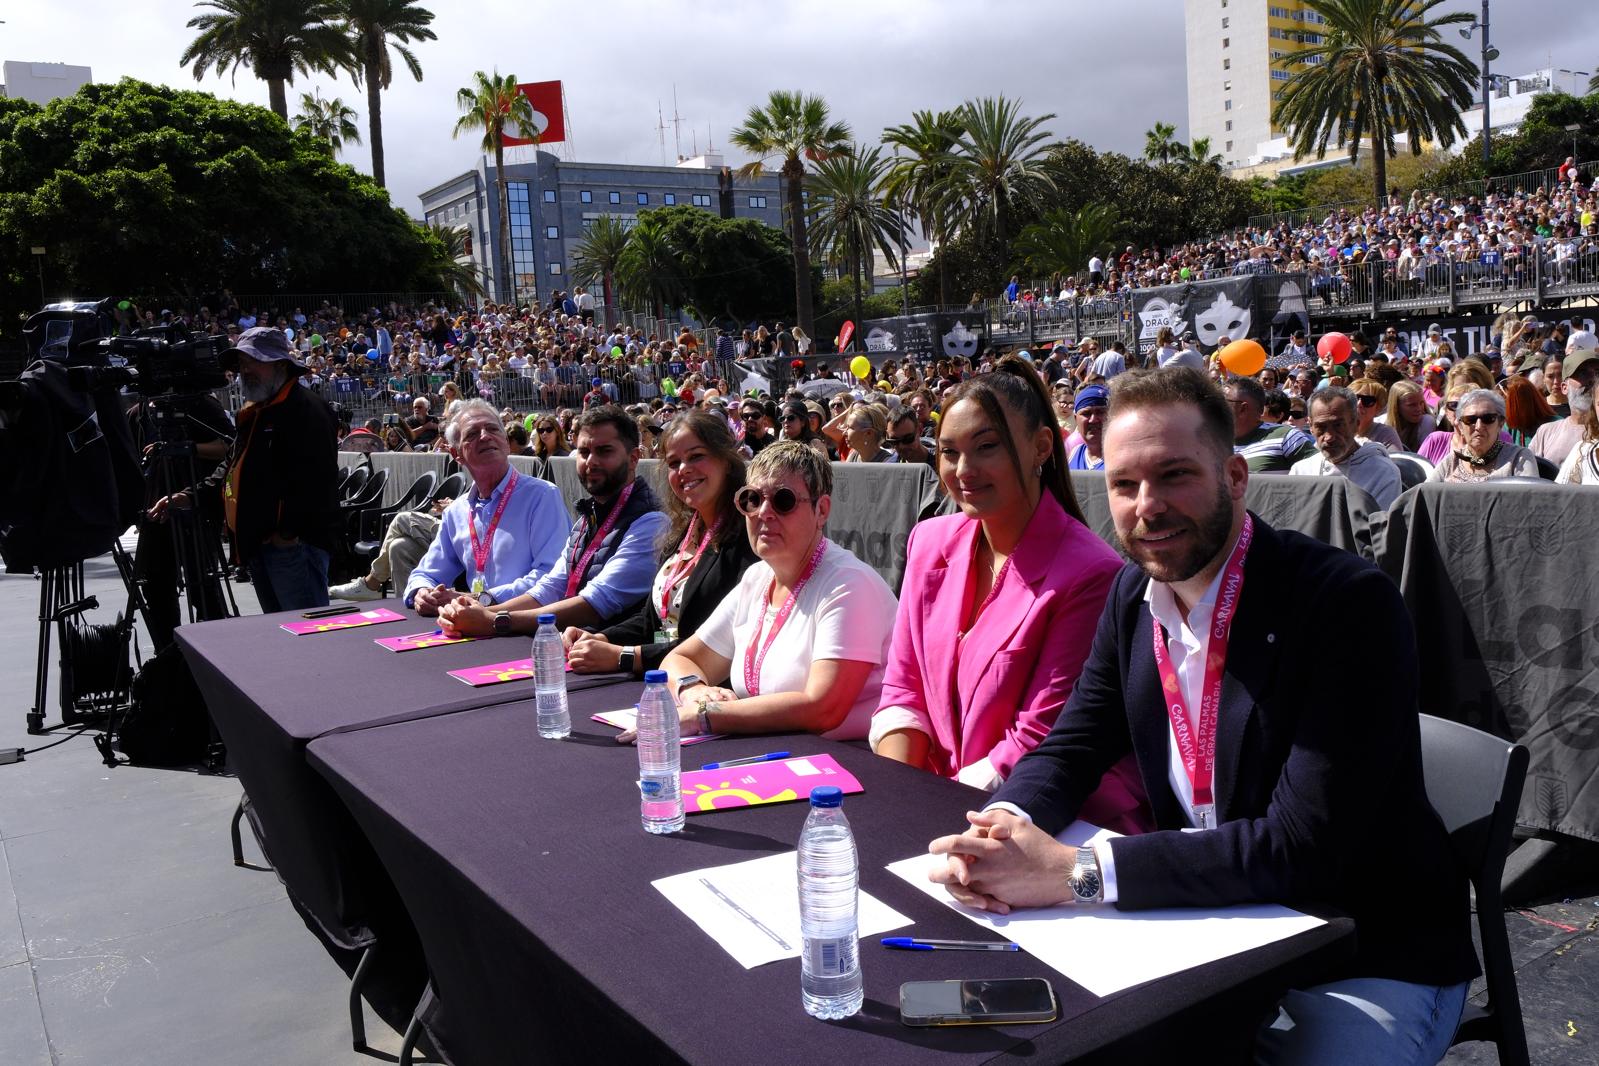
651,789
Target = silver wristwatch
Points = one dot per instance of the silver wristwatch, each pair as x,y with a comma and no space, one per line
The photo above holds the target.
1086,884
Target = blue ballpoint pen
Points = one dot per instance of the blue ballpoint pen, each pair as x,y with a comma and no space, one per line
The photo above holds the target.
771,756
910,943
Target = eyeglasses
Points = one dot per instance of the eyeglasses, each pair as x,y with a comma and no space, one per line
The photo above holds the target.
749,413
783,501
791,417
836,406
1452,406
1296,412
1366,401
1474,420
906,441
545,430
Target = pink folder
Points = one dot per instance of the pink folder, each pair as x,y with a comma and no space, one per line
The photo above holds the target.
763,782
417,641
343,621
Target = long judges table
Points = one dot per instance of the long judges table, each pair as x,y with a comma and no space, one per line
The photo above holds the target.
270,693
527,874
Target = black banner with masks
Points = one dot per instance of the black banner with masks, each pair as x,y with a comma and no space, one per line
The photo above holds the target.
936,335
1466,334
1267,308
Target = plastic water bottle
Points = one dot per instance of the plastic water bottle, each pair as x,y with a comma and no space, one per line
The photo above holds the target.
660,757
830,969
549,680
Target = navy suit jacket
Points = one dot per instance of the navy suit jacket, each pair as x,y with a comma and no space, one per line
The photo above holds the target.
1318,786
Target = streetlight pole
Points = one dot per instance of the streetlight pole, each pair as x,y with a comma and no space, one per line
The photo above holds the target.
38,255
1487,87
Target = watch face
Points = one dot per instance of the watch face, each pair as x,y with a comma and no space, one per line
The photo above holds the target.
485,599
1086,886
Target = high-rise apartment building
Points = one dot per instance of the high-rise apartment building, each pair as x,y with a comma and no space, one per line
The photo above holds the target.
1240,54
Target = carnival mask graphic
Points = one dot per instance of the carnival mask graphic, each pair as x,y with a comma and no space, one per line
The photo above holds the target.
960,342
1222,319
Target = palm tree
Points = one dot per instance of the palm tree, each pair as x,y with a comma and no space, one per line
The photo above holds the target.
650,268
1161,144
495,105
999,165
375,27
596,258
1198,154
274,38
848,217
465,277
1063,241
330,121
793,127
1383,69
917,181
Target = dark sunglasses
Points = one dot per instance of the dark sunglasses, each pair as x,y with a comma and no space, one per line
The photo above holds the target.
1473,420
836,406
792,417
748,414
1296,412
906,441
1452,406
546,429
783,501
1367,401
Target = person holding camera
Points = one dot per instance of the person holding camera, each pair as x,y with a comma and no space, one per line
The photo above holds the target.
278,479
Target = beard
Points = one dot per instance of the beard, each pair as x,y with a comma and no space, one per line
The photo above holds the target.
1580,402
262,391
602,486
1210,536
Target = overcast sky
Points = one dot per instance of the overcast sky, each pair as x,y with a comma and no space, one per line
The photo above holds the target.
1108,71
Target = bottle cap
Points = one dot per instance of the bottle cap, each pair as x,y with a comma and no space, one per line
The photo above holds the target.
655,677
546,619
827,796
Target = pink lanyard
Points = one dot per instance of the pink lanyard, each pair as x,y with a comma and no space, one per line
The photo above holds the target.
678,572
574,577
480,552
753,658
1199,752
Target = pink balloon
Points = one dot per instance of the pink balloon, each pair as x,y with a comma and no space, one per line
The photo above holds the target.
1334,346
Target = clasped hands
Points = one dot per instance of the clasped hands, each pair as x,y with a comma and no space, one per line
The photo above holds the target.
1002,862
688,710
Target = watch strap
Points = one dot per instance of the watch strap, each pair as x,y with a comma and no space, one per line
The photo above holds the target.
704,717
502,623
624,661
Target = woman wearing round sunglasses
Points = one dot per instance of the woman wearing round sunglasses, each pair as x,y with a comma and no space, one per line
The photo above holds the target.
705,551
1371,399
797,426
1478,454
1000,602
804,635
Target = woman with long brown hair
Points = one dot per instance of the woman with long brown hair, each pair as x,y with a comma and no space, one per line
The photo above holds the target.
1022,578
549,440
1525,410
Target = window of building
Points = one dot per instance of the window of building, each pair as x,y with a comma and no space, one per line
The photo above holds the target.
643,198
552,233
1224,22
555,268
586,196
616,198
1227,86
1229,125
757,201
700,199
669,199
1226,105
1226,42
1279,75
1227,64
1229,144
524,268
549,196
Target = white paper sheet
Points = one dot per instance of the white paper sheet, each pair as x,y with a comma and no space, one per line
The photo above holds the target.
1106,950
756,916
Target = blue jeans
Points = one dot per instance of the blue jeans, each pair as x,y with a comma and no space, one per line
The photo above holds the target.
1365,1019
290,579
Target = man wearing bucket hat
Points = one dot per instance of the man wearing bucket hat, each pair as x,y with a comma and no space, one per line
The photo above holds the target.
278,478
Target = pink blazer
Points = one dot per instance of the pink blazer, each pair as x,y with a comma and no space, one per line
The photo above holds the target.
1015,669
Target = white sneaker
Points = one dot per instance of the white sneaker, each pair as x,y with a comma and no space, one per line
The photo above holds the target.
356,589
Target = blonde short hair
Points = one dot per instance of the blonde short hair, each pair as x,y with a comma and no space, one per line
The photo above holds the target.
789,457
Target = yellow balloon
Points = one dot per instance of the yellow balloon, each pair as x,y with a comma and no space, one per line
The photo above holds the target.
860,366
1243,357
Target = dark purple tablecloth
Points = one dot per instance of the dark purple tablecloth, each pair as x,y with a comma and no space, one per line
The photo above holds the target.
270,693
525,869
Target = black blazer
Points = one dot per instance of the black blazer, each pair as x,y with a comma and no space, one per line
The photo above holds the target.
1318,784
717,574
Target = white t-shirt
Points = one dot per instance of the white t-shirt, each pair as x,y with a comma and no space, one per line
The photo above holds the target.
845,611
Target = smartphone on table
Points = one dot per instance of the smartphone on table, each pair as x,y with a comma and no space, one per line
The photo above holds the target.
1006,1001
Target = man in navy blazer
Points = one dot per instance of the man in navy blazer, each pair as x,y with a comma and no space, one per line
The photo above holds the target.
1310,792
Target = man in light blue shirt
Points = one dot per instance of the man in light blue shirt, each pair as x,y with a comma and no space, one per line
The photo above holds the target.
517,522
609,561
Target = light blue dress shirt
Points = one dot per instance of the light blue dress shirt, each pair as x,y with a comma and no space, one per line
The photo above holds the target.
527,542
624,578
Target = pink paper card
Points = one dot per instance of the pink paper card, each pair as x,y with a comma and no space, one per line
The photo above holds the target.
343,621
627,719
495,673
759,783
433,638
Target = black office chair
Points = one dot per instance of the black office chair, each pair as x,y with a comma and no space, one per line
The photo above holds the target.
1461,766
355,482
375,522
1546,469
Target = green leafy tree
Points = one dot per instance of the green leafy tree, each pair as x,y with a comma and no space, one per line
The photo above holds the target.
918,179
331,122
453,264
377,28
650,270
1161,144
494,106
849,219
276,39
1198,154
792,127
597,256
729,267
1063,241
1383,70
999,166
160,194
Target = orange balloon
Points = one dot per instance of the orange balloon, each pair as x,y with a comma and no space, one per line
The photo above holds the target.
1244,357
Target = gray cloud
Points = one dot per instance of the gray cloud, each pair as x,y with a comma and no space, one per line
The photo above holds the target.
1107,71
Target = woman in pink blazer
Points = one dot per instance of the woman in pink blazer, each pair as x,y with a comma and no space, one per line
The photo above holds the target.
1000,602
